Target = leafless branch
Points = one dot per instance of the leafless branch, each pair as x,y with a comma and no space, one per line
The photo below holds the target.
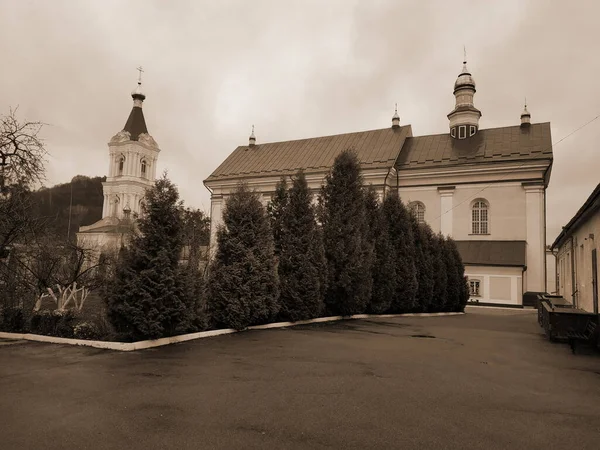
22,152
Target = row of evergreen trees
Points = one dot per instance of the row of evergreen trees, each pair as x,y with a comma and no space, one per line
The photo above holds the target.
349,254
295,260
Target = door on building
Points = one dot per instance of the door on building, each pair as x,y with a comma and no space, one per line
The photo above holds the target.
595,280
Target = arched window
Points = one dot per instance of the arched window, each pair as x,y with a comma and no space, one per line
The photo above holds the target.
144,168
121,164
480,217
418,209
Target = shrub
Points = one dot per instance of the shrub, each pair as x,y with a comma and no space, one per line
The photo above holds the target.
302,262
86,330
12,319
424,262
384,259
147,299
348,251
53,323
243,286
401,237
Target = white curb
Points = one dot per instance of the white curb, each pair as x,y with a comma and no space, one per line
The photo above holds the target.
140,345
503,308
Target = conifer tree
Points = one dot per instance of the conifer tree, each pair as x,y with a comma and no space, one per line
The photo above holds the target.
463,288
384,261
345,237
302,261
440,290
275,210
424,255
147,298
397,218
243,287
457,289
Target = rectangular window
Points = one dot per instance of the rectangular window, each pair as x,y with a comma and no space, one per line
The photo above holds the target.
453,132
471,130
474,288
462,132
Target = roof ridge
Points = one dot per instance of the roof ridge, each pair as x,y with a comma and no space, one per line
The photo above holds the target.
327,135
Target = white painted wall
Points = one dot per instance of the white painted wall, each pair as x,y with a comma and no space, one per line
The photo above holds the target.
582,244
490,277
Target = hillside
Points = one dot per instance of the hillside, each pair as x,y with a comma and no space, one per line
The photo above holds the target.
53,203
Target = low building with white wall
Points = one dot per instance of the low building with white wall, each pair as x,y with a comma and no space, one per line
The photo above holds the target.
486,188
576,249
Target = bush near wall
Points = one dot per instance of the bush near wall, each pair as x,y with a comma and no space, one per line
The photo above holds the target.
12,320
53,323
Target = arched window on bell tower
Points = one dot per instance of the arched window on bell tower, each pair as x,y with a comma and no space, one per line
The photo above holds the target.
144,169
121,164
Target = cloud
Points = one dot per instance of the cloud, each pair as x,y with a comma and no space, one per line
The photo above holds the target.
297,69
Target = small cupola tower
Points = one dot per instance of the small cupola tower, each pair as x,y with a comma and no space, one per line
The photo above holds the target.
252,139
464,118
525,117
396,118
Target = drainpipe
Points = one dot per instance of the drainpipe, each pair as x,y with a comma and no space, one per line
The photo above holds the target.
573,290
555,254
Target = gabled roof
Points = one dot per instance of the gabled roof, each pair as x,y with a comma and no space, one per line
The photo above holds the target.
591,205
492,253
136,124
490,145
375,149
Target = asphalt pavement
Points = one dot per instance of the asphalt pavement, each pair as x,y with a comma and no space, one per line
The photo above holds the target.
485,380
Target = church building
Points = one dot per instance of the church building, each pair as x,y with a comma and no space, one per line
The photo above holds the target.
133,155
486,188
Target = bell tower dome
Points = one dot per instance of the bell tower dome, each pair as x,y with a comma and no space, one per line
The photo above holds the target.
464,118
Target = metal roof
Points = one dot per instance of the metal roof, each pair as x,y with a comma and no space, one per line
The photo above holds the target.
136,124
375,149
489,145
492,253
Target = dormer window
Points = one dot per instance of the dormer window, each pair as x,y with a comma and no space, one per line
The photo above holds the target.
462,132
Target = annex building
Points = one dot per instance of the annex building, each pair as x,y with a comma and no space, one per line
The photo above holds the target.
576,249
484,187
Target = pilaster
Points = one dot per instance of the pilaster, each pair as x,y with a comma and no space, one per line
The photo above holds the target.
536,250
446,211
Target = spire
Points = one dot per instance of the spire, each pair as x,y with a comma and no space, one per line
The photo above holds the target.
136,124
396,118
252,140
525,116
464,118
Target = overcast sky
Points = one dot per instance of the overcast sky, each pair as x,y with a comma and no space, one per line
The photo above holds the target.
298,69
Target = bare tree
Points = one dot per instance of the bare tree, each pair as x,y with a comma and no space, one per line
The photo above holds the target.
61,272
22,152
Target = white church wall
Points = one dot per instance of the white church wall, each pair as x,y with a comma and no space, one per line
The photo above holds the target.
501,285
429,196
506,213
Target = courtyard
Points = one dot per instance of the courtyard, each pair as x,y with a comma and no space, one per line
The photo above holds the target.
488,379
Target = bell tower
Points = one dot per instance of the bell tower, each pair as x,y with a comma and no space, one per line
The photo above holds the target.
133,154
